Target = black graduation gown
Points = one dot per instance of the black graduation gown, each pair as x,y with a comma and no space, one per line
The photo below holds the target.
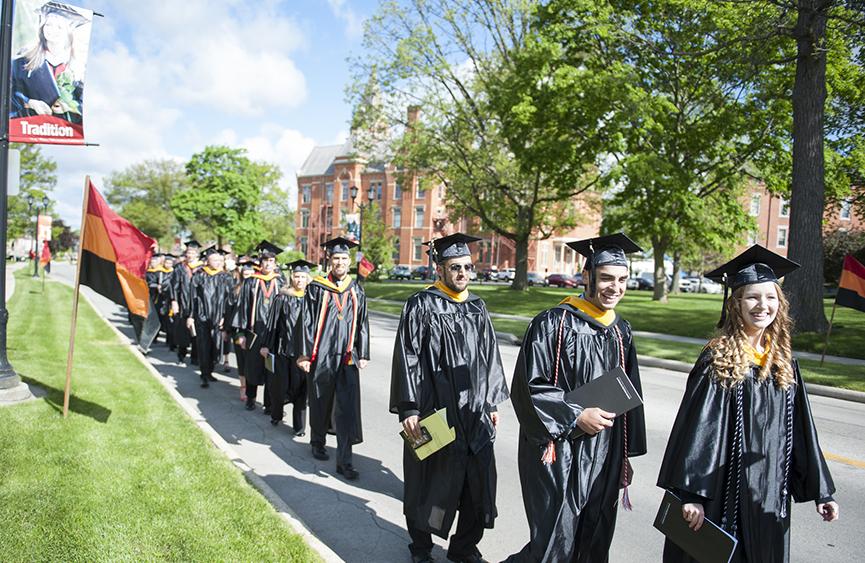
571,504
699,459
256,298
181,291
159,283
446,356
325,338
279,334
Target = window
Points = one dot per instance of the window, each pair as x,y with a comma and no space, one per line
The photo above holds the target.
784,211
397,191
755,204
421,193
752,238
344,195
846,209
396,223
328,219
304,218
328,192
417,244
303,244
782,237
418,216
307,193
379,191
395,254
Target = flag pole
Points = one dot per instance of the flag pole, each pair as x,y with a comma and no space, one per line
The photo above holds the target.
828,332
81,235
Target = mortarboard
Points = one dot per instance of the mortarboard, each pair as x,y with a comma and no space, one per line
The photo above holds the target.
213,250
608,250
338,245
756,265
300,266
266,249
451,246
192,244
56,8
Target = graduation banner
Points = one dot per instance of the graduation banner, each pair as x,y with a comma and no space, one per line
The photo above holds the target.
50,44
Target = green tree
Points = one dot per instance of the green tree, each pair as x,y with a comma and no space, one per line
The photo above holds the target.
62,236
224,194
38,179
838,244
512,133
277,218
691,123
377,242
142,194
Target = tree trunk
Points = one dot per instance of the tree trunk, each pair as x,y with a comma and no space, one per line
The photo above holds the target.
804,287
677,270
660,293
521,281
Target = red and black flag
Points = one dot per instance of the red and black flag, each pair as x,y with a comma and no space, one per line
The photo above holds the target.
851,289
114,259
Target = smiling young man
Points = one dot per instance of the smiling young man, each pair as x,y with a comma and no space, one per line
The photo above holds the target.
573,459
333,346
446,357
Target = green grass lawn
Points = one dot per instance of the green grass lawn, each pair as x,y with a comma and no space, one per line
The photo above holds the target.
692,315
128,476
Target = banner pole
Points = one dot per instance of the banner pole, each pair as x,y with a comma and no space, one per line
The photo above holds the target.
81,235
828,332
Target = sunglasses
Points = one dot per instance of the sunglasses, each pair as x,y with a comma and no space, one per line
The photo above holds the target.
461,267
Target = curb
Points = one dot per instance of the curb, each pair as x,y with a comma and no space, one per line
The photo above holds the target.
285,511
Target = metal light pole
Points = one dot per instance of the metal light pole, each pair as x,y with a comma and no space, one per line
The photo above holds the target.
370,196
8,378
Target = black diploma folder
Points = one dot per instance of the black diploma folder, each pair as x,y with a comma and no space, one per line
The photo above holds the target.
612,392
709,544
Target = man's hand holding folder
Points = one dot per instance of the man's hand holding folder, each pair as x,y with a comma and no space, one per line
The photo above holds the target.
603,399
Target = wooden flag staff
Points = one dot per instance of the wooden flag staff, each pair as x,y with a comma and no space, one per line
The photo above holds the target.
81,235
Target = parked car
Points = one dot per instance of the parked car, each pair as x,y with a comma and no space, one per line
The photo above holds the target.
689,285
563,280
421,272
535,278
507,274
709,286
488,274
400,273
640,282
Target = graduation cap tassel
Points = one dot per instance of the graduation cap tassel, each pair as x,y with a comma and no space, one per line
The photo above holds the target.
724,303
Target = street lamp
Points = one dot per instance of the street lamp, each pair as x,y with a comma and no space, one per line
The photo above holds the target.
370,197
45,202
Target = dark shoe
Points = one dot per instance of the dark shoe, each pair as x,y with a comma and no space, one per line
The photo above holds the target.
347,471
319,452
422,557
266,410
211,378
250,407
204,383
274,421
300,433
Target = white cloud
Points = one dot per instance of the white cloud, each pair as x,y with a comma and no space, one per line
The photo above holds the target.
286,148
353,22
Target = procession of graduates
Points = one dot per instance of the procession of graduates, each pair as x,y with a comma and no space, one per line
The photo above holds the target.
742,448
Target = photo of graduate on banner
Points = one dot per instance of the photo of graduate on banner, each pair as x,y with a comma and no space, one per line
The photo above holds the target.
50,44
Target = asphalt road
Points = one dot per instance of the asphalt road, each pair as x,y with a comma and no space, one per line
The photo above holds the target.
362,521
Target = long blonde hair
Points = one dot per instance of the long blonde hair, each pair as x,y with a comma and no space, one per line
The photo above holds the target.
35,55
731,351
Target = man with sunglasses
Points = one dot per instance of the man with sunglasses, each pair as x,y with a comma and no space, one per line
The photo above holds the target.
446,357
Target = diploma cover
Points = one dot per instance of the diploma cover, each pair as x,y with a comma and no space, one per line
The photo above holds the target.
709,544
435,434
612,392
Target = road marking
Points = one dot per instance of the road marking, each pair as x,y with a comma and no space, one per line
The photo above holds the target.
847,460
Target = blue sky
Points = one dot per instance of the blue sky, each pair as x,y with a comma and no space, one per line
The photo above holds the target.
165,78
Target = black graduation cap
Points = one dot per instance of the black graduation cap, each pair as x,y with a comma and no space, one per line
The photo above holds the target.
300,266
758,264
266,249
339,245
608,250
192,244
168,255
213,250
451,246
75,19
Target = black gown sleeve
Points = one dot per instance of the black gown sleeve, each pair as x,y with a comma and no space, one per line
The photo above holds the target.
809,475
362,337
540,406
307,321
697,449
636,418
406,373
270,338
497,385
243,305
